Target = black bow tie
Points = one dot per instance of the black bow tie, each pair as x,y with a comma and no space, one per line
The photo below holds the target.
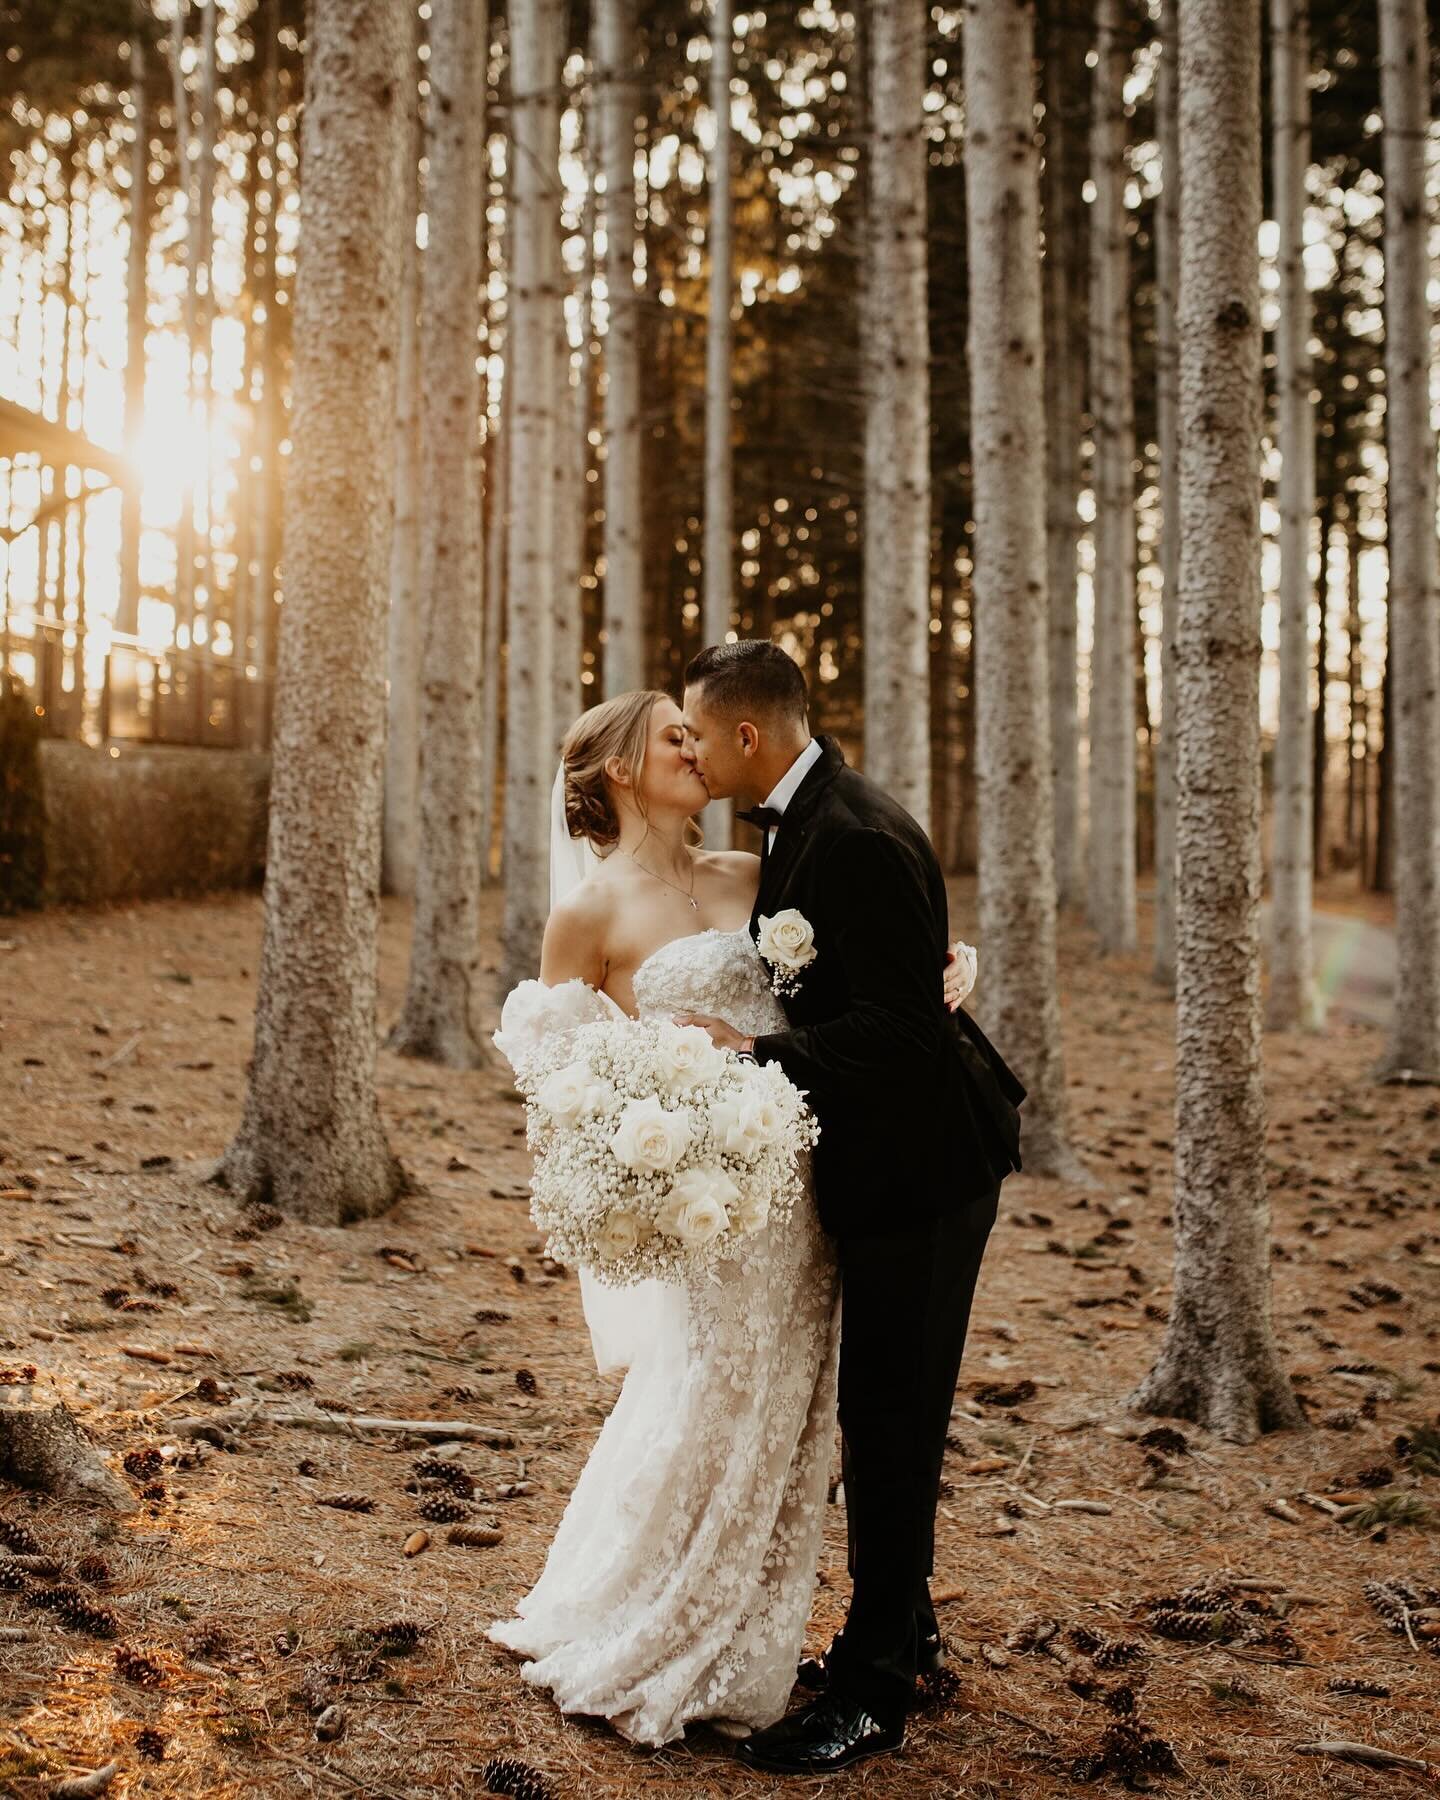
762,816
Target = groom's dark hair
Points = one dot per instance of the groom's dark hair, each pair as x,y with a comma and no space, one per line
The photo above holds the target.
752,675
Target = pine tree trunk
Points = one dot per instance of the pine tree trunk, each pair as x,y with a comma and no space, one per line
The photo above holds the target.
616,51
1110,875
264,485
1007,414
439,1018
311,1140
201,299
572,457
1167,398
1319,741
1357,770
402,740
897,415
1218,1364
1412,720
1293,1000
719,382
1064,65
185,184
532,341
137,295
497,464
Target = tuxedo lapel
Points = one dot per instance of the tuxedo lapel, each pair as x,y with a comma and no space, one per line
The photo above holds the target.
794,828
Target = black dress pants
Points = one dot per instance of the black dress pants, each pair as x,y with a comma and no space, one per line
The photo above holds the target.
905,1308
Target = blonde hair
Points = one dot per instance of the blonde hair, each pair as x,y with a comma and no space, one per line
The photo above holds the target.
618,728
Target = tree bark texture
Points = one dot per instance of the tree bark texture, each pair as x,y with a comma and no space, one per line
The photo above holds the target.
1218,1363
311,1140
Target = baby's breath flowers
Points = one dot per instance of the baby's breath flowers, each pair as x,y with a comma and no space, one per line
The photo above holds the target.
655,1153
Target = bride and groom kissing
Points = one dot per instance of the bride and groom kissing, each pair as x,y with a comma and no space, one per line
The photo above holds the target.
678,1585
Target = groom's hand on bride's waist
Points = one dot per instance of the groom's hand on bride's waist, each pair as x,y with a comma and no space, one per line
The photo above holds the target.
722,1034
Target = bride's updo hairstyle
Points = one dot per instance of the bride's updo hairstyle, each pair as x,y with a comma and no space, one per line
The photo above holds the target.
618,728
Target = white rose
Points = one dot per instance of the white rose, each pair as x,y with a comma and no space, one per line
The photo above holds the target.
572,1092
697,1209
969,964
751,1212
648,1138
787,940
686,1058
744,1126
619,1235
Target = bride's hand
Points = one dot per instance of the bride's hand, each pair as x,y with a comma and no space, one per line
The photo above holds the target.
959,975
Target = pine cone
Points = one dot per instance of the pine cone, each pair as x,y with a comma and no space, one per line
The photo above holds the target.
294,1380
209,1643
1119,1653
526,1382
150,1744
1120,1699
474,1537
397,1636
492,1315
1000,1393
447,1474
1368,1690
1083,1639
357,1503
153,1490
208,1389
938,1692
72,1608
1166,1439
508,1775
1191,1627
93,1569
17,1538
264,1218
144,1465
1374,1475
115,1296
131,1666
440,1509
162,1290
460,1393
13,1577
318,1684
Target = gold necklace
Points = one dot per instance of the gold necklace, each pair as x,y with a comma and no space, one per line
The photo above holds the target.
694,903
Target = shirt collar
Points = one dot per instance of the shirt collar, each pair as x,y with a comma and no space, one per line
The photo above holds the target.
788,785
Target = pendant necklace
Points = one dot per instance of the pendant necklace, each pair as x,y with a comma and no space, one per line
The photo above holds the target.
694,903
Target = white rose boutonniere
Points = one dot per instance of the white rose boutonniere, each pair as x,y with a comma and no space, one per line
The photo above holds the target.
787,942
648,1138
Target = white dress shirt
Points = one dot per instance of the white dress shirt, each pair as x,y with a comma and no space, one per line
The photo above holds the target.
785,788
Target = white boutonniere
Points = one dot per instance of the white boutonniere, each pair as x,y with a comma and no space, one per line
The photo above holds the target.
787,943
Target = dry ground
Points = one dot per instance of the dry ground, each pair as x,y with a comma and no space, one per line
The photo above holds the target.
121,1072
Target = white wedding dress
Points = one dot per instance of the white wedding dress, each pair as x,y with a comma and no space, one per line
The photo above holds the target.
679,1582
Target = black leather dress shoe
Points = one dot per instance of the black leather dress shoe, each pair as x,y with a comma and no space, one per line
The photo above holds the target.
828,1735
814,1672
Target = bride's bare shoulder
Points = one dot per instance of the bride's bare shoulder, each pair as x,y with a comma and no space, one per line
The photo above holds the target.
576,933
731,862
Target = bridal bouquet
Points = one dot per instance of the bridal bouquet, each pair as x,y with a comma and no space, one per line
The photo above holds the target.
655,1152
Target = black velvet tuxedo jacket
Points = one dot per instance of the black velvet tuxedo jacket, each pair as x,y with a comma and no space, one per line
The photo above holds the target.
918,1113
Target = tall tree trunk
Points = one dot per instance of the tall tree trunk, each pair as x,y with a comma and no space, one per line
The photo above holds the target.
439,1019
616,48
1357,771
1293,999
1064,64
532,341
185,184
1382,878
897,415
1167,403
264,496
1319,741
1111,845
402,737
311,1140
497,484
719,380
572,457
1007,413
201,302
137,294
1218,1364
1412,720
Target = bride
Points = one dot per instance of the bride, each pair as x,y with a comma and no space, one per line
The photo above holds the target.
678,1585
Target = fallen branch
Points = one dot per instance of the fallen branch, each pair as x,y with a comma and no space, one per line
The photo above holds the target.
81,1787
439,1429
1363,1753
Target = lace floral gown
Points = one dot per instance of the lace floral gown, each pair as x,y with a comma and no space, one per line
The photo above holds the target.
679,1582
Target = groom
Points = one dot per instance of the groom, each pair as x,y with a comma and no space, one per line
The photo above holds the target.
918,1127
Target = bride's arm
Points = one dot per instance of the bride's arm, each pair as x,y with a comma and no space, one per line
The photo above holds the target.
574,948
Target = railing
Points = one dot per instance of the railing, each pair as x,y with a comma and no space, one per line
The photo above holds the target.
171,696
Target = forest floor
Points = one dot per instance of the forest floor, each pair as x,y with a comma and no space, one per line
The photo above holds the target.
252,1605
